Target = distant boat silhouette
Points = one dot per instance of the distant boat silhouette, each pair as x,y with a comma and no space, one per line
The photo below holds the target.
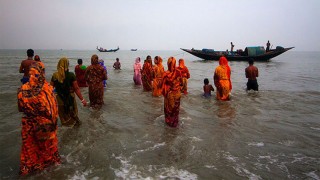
134,49
106,50
258,53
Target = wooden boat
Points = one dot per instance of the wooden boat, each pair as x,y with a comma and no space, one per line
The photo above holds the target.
106,50
257,53
134,49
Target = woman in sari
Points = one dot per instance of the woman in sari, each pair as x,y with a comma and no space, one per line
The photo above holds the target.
39,123
80,70
147,74
137,72
37,58
158,71
66,86
171,90
95,74
222,79
185,76
101,62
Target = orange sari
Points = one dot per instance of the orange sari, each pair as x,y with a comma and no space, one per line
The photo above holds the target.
185,76
147,74
39,124
171,90
222,80
158,71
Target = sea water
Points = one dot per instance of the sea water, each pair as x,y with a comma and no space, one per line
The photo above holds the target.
270,134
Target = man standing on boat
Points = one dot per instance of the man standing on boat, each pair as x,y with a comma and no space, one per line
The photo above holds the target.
232,46
252,73
268,46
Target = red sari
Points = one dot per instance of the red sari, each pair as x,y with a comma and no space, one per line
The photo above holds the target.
80,72
39,124
222,80
185,76
95,74
171,90
147,75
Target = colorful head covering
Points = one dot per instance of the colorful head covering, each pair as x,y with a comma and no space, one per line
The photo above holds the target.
101,62
171,64
181,63
137,60
36,81
224,63
94,59
62,67
37,58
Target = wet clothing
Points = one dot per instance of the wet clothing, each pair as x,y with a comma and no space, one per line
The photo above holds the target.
95,74
80,72
63,80
39,124
158,71
252,73
252,84
137,72
185,76
222,80
101,62
171,90
147,75
68,110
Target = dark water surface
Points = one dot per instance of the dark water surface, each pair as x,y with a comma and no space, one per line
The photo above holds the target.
272,134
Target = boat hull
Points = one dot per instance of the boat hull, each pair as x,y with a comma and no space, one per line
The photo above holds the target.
111,50
216,55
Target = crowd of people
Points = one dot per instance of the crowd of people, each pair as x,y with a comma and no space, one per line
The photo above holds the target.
42,102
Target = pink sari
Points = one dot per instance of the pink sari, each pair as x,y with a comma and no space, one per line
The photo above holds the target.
137,72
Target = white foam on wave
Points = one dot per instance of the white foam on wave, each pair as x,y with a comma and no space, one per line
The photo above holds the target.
239,167
82,175
130,171
318,129
257,144
126,170
211,167
150,148
229,157
196,139
313,175
172,173
244,172
287,143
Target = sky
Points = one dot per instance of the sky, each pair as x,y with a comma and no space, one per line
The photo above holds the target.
159,24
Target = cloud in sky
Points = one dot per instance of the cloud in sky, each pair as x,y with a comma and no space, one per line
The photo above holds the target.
159,24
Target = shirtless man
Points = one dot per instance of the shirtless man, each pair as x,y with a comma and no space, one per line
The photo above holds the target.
252,73
207,88
25,65
117,64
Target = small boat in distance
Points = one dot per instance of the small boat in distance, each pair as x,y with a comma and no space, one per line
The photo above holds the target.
257,53
134,49
106,50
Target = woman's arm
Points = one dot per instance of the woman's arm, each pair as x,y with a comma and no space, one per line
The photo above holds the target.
78,92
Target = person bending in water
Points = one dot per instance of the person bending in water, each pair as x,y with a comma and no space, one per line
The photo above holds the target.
117,64
207,88
252,73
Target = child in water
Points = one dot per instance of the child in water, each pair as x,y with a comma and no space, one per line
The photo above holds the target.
207,88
